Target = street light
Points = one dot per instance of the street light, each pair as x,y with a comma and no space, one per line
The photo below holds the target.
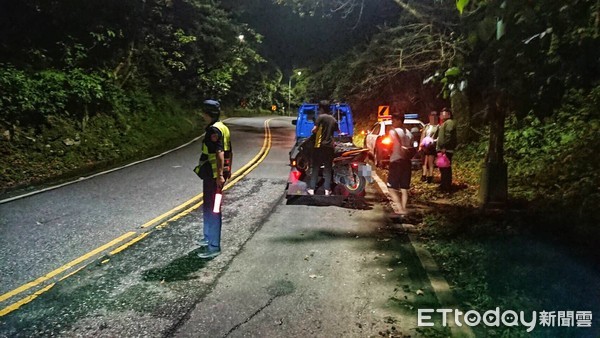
290,93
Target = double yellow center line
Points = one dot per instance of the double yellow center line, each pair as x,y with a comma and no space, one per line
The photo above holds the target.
174,214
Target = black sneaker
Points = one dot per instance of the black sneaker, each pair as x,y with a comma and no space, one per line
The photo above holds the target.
423,178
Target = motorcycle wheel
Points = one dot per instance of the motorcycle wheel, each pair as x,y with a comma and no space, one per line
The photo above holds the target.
358,187
302,163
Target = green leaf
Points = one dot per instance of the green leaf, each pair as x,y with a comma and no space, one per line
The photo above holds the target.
461,4
454,71
486,29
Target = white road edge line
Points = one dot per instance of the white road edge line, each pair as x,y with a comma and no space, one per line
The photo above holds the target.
10,199
440,286
119,246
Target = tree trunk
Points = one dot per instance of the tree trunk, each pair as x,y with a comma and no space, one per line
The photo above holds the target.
496,146
124,67
493,191
85,118
462,115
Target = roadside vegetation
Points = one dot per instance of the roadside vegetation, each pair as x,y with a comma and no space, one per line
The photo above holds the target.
61,149
539,252
523,82
85,86
521,258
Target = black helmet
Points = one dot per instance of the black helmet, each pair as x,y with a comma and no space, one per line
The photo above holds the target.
212,107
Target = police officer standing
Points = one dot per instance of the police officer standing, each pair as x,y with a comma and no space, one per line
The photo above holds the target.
214,168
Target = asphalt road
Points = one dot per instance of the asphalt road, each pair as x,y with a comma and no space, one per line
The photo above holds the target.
328,262
43,232
317,271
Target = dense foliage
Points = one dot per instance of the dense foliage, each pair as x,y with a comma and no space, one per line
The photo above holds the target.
72,63
532,66
90,54
554,159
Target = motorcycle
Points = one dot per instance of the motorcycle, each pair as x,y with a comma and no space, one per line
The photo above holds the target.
350,172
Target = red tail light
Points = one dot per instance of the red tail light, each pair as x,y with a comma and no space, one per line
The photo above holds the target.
386,141
296,175
354,165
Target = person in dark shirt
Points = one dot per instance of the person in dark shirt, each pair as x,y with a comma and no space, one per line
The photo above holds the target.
447,141
323,152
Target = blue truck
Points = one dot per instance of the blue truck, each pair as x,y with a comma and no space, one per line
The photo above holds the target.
308,112
350,172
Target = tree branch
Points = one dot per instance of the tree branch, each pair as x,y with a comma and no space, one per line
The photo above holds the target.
413,11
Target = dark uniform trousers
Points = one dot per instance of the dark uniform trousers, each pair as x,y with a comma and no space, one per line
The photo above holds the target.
212,221
446,175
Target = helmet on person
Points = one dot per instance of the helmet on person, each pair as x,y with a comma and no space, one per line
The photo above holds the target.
212,108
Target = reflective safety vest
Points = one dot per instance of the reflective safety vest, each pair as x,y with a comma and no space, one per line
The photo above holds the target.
212,157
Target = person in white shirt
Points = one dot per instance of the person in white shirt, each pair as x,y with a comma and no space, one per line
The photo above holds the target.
400,166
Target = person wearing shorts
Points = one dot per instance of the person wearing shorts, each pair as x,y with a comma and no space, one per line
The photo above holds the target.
427,145
399,174
400,166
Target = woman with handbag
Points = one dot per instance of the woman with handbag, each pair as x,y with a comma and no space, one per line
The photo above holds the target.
427,146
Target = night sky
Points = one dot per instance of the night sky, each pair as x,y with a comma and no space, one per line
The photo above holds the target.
291,41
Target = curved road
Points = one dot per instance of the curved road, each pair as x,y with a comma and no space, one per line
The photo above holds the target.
311,268
307,269
43,232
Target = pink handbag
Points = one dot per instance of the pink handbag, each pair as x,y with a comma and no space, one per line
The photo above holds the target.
442,161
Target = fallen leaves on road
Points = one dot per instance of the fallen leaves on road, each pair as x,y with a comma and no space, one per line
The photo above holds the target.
315,276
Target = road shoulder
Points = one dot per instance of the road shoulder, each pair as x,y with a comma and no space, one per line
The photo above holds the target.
318,271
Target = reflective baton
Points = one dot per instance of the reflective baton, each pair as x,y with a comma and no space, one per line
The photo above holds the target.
218,198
